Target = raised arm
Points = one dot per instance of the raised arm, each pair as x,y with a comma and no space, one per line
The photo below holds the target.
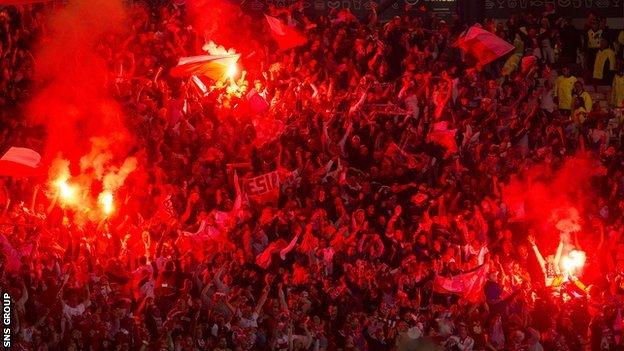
263,298
33,202
540,259
558,255
290,246
192,199
282,297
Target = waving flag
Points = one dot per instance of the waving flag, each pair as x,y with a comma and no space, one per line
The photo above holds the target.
444,137
285,36
214,67
483,45
468,285
20,162
257,103
264,258
13,256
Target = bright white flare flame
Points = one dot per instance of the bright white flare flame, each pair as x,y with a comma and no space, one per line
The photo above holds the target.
66,192
106,202
232,71
213,49
573,261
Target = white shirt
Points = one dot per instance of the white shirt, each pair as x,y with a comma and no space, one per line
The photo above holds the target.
249,322
467,344
74,311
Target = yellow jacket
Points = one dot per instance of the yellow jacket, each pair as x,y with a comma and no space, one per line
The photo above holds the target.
563,91
601,59
587,101
617,92
620,41
511,65
594,38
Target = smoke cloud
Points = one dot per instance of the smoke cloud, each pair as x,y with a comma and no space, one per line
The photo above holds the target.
72,100
553,197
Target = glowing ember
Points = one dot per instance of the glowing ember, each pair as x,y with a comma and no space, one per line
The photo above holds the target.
105,200
573,261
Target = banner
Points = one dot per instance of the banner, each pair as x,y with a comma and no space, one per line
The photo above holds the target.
264,188
468,285
563,8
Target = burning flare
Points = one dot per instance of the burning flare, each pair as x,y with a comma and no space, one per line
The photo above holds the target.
232,71
106,201
66,192
573,262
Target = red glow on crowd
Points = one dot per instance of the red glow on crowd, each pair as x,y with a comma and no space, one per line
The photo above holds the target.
192,177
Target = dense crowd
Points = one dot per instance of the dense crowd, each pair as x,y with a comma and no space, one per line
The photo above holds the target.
393,147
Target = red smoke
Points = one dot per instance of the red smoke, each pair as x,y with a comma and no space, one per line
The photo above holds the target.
226,24
72,100
550,193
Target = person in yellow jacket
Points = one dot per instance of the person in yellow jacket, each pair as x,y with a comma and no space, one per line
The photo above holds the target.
593,37
564,85
579,90
602,72
511,65
580,113
617,88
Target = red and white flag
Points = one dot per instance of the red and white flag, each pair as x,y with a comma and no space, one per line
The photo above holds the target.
468,285
264,258
20,162
215,67
285,36
483,45
257,103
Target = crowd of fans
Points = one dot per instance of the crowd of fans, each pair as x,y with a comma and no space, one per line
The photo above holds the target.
373,206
